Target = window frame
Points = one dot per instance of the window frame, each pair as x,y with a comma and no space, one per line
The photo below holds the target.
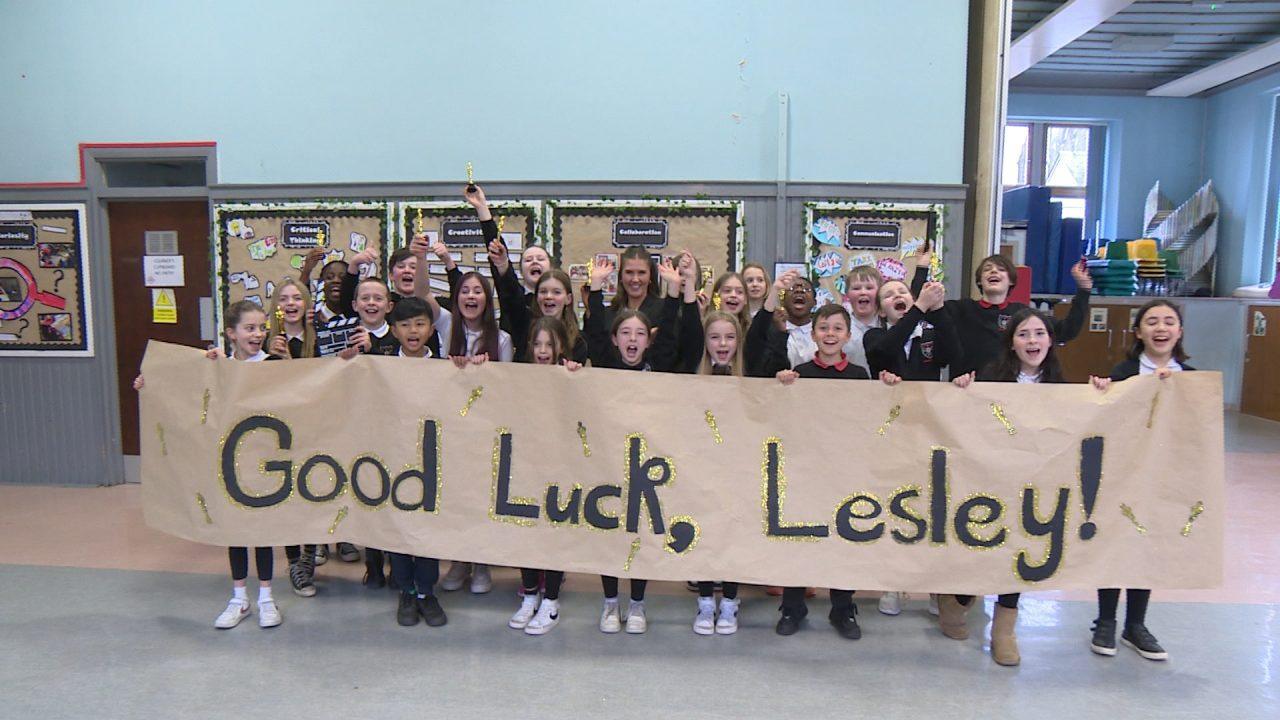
1037,155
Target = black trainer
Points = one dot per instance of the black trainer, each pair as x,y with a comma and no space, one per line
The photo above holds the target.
407,612
374,577
300,578
1143,642
432,613
348,552
846,623
1104,637
789,623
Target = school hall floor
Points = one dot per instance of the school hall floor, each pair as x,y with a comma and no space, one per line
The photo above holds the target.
102,617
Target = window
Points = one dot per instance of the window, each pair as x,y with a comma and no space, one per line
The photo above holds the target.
1065,157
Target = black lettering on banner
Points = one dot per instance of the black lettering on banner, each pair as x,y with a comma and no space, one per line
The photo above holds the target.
304,478
232,444
845,516
502,504
429,474
596,517
775,485
938,496
1055,527
570,511
898,508
384,481
642,486
966,517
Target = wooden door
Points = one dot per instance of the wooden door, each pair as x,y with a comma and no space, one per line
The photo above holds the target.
1094,350
128,223
1260,390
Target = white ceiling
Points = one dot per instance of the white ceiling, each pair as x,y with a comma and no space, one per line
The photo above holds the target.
1125,53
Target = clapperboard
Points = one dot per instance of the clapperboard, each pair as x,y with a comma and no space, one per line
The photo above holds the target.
332,337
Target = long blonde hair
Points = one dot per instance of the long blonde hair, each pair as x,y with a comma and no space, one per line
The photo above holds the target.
735,365
277,326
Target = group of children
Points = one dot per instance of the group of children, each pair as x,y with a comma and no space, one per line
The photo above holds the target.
662,320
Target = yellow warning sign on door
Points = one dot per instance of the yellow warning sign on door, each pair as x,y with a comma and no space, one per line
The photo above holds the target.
163,307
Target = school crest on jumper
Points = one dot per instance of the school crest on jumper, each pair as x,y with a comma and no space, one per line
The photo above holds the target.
1003,321
926,350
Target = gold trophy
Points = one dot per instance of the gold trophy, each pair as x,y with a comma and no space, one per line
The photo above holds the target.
471,179
418,223
279,320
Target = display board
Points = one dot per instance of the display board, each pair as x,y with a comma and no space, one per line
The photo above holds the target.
256,245
582,229
519,225
843,235
44,281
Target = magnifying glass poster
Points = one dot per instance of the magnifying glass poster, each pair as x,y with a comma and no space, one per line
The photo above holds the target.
44,288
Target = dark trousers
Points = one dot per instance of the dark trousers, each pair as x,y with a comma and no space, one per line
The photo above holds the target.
1009,600
529,582
293,552
793,601
706,588
610,585
240,562
412,572
1135,612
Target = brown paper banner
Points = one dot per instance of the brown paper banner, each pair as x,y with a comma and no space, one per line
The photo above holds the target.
788,486
44,283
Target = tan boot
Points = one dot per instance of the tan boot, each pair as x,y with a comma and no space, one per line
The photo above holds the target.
1004,643
952,617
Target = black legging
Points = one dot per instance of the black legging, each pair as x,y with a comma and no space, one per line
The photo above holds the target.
1135,612
412,572
293,552
707,588
610,585
240,562
1008,600
529,582
793,600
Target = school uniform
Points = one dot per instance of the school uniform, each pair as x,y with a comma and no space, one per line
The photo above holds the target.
788,348
916,347
980,325
841,600
661,354
262,556
855,349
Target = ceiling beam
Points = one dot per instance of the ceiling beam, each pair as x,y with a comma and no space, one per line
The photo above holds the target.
1058,29
1225,71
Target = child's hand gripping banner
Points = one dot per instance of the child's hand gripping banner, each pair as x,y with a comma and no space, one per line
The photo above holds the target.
920,487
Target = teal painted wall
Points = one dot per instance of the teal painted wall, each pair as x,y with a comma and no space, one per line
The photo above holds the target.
328,91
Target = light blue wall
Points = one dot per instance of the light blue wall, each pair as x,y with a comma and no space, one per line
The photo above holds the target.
329,91
1148,139
1238,157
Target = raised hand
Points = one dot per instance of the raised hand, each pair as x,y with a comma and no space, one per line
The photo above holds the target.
963,381
1080,273
498,256
932,296
889,378
280,347
419,245
600,271
474,195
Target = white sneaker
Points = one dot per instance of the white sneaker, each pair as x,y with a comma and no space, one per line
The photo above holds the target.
268,614
458,572
933,604
481,583
727,623
891,603
548,617
636,622
528,606
705,621
609,620
236,611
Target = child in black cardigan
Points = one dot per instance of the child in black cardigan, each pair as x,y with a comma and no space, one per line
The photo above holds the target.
1157,350
920,338
830,334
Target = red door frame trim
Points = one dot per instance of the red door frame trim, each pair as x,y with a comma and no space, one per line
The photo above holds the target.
82,147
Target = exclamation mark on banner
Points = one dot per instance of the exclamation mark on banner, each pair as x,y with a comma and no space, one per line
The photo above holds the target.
1090,480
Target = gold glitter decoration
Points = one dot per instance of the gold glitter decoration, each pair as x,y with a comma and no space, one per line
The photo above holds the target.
936,273
635,548
894,413
204,408
342,513
322,238
582,435
1151,416
998,411
493,486
164,449
716,301
697,533
1128,512
782,494
476,392
471,177
204,508
1196,511
502,219
418,223
652,473
711,423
